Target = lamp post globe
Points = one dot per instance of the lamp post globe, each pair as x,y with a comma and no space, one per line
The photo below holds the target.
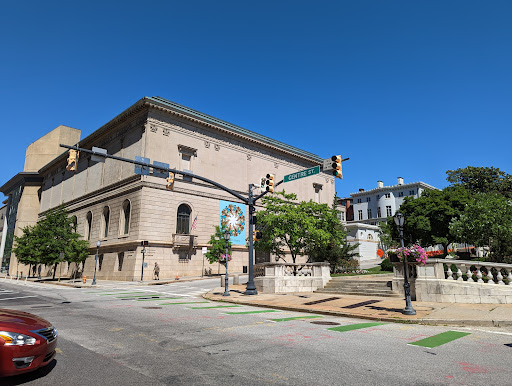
227,235
399,221
98,243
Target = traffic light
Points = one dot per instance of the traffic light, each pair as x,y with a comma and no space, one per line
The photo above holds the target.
270,183
72,160
336,166
256,235
170,181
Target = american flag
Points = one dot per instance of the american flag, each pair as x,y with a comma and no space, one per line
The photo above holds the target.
194,224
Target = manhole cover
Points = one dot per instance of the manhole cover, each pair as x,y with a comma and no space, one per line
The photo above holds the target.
152,308
324,323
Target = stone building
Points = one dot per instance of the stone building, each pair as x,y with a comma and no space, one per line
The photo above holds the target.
120,209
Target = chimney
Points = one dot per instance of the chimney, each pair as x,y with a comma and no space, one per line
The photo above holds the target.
380,184
361,189
400,181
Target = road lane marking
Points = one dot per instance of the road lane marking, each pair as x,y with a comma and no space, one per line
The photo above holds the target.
440,339
250,312
357,326
155,298
172,304
296,318
19,297
204,308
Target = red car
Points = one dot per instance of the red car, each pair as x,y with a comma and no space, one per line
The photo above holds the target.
27,342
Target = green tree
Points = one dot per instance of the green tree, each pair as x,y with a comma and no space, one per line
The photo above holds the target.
427,218
49,237
24,248
217,246
487,221
481,180
305,228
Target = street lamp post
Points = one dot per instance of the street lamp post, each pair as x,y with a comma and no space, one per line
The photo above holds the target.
226,279
399,221
98,243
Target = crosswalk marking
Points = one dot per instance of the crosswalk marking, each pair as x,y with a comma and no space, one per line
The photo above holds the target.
296,318
250,312
356,326
439,339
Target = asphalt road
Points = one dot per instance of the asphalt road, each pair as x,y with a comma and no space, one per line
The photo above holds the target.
125,334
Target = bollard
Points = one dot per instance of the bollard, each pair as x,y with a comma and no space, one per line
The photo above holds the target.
84,279
236,279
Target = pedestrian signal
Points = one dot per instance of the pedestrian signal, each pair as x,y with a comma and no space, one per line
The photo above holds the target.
256,235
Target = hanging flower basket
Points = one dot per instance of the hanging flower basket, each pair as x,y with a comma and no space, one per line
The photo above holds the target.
414,254
222,259
392,256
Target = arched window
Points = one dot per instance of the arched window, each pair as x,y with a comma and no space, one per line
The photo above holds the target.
124,218
183,219
74,223
88,225
105,221
370,237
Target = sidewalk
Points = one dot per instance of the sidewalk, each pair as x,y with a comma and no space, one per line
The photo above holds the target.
374,307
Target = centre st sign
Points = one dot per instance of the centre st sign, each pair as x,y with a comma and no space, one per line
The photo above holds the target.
302,174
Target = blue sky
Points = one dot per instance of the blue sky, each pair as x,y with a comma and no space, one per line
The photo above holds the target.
403,88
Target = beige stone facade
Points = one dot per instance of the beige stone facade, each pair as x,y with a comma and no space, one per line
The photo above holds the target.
119,208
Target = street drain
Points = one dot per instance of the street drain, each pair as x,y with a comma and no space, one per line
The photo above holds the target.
152,308
324,323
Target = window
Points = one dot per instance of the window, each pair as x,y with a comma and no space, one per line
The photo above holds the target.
360,214
368,199
411,192
370,237
124,218
388,195
105,221
379,214
88,225
74,223
100,261
120,261
358,200
342,216
378,196
183,220
369,213
400,194
317,194
388,211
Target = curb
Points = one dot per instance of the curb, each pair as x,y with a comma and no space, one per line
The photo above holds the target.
423,321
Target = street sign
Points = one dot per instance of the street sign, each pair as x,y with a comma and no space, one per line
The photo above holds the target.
158,172
98,158
142,170
327,164
302,174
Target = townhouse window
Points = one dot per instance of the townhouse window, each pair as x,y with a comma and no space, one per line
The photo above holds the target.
183,220
411,192
358,200
387,195
369,213
379,214
360,214
368,199
378,196
400,194
370,237
388,211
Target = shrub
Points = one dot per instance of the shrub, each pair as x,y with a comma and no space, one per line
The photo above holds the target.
386,265
347,265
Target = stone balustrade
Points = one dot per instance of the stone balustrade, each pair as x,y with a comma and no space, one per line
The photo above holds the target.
288,277
464,281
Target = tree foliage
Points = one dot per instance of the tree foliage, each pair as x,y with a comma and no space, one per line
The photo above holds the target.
44,242
427,218
487,221
481,180
302,228
217,246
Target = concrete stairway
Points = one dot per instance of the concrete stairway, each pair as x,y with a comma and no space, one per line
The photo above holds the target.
365,285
